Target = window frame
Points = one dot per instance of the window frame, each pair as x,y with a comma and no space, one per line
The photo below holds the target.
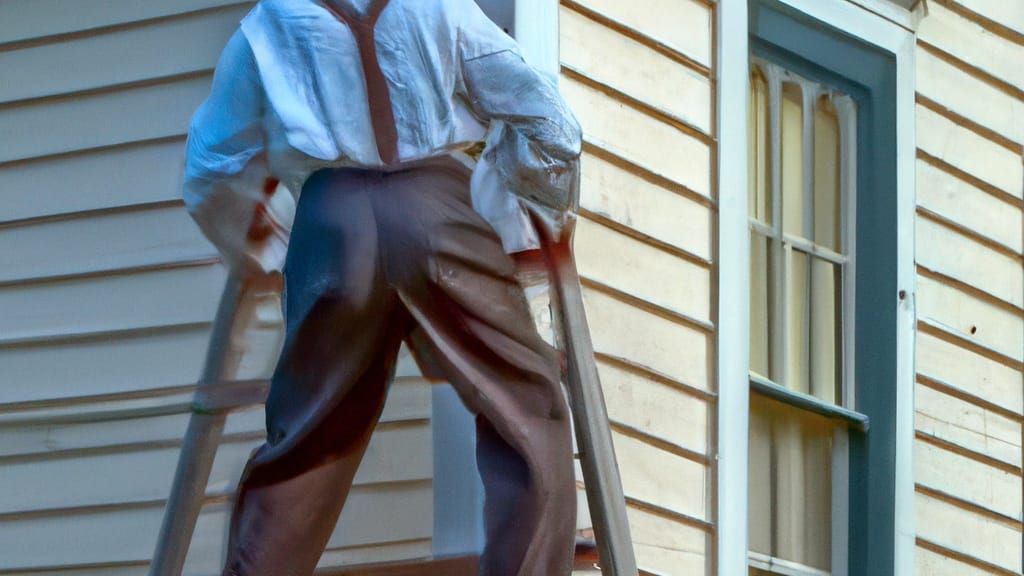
892,543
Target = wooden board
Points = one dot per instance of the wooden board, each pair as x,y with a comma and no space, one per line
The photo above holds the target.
975,482
975,99
635,69
662,345
664,546
968,533
683,25
967,426
968,206
963,258
655,476
662,411
971,318
970,372
633,267
970,152
664,149
971,42
622,196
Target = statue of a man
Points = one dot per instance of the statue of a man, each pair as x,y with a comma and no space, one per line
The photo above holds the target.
366,108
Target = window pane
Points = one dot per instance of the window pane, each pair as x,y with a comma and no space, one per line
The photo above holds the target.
792,149
827,203
760,159
826,325
797,368
760,304
796,479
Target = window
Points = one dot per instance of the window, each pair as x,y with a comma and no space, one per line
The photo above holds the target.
823,325
801,160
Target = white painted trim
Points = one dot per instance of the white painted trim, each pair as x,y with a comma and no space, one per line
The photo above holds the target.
733,340
537,33
734,261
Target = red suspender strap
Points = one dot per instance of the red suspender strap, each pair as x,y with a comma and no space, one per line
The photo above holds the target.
377,93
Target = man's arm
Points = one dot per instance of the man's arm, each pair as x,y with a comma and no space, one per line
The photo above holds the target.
227,184
536,141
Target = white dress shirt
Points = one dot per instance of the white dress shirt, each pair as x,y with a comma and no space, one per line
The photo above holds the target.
289,98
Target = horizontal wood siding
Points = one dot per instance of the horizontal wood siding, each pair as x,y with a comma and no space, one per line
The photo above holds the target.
970,300
107,294
642,88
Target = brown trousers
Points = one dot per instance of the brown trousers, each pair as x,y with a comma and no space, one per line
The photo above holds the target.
372,256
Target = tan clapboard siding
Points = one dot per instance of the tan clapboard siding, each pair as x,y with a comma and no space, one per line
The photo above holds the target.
978,536
41,18
964,425
969,397
975,483
969,206
970,317
642,89
955,254
975,100
970,42
159,48
617,192
681,26
962,148
109,298
610,58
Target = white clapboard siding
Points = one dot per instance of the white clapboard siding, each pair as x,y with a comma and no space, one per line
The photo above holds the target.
111,241
683,25
117,302
988,161
68,184
610,58
664,150
99,119
159,49
106,305
642,89
970,42
969,206
620,195
40,18
928,563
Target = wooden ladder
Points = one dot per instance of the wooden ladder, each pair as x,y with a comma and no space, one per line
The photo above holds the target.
218,393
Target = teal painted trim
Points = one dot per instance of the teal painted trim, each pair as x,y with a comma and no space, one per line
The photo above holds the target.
868,74
768,389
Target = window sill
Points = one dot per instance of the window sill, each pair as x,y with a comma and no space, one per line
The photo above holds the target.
782,567
769,389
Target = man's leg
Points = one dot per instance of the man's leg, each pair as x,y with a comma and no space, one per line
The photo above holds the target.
343,330
478,323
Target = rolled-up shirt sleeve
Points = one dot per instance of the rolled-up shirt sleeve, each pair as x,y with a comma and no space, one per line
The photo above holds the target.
225,165
535,139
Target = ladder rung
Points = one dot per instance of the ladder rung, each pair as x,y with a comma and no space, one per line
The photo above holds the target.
220,397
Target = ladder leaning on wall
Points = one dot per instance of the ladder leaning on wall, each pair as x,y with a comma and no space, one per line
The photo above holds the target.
218,394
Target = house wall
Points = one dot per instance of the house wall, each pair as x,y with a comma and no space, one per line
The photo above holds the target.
107,293
642,88
970,292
